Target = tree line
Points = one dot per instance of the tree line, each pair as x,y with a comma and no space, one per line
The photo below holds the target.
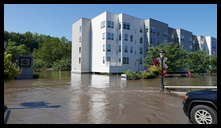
181,60
55,53
48,52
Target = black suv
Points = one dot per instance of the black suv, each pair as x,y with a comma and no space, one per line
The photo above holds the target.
201,106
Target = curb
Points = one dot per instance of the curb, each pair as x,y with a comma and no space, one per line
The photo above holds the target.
175,93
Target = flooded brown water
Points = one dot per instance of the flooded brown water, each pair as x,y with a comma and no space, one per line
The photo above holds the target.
62,97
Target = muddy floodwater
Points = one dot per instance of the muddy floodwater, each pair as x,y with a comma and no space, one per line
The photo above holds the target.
65,98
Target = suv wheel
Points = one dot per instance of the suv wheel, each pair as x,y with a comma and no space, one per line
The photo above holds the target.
202,114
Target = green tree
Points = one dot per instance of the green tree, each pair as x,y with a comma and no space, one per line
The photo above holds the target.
16,50
38,65
47,51
198,61
212,63
10,69
176,56
63,64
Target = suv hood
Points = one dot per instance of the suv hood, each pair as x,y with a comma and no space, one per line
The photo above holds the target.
202,92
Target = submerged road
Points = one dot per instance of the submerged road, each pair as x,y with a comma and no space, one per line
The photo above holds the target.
89,98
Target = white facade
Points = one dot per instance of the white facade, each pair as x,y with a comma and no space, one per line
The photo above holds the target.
81,46
115,48
212,45
207,43
185,39
113,43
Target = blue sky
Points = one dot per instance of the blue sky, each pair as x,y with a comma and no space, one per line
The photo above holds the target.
57,19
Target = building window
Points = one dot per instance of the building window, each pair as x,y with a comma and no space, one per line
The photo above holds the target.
80,28
103,35
79,60
103,60
120,37
103,24
126,25
119,25
126,37
141,40
80,39
141,30
108,48
131,38
146,29
103,47
125,60
110,24
79,49
125,49
131,49
141,62
119,60
110,36
141,50
119,48
158,34
108,59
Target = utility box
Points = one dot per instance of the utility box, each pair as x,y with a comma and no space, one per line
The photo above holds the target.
25,64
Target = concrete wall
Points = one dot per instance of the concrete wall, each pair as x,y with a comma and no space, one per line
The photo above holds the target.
172,35
76,34
81,39
97,44
137,31
202,43
195,43
212,45
86,45
185,39
157,32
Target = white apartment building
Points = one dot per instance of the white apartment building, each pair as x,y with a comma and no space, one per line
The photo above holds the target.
113,43
207,43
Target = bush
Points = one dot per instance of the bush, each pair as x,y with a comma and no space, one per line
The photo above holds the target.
149,75
38,65
154,69
139,75
10,69
35,76
132,75
104,73
63,64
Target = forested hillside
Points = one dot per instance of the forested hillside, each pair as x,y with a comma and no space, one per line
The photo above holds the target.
48,52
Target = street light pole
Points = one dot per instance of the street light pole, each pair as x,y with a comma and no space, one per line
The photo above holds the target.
162,75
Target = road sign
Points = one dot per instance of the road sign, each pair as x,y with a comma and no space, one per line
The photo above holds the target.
164,59
165,66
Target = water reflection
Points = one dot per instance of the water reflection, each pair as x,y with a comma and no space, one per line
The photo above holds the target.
97,81
97,108
100,81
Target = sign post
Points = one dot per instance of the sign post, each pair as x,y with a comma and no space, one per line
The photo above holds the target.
163,68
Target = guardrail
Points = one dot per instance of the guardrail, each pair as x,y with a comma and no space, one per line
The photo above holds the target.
197,87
